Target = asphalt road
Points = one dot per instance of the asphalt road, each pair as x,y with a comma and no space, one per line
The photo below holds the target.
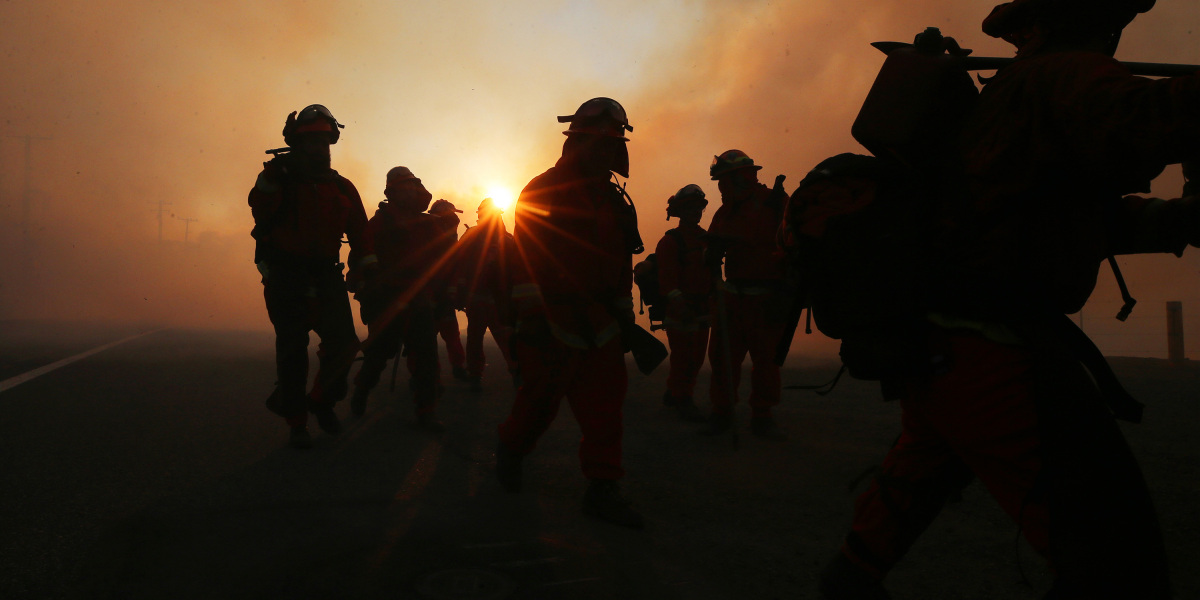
151,470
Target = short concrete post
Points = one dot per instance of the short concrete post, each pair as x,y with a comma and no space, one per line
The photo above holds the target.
1175,332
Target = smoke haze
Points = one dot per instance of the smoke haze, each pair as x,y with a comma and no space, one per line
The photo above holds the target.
129,104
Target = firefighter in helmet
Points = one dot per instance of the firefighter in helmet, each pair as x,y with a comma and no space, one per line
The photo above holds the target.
398,306
1010,390
301,209
575,236
444,313
483,285
752,310
686,283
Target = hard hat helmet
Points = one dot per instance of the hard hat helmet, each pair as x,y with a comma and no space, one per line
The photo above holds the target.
598,116
399,175
1103,15
729,161
314,118
488,205
688,195
443,207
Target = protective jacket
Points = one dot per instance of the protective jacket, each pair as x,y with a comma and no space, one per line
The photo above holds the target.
746,232
571,236
683,274
302,216
482,263
413,250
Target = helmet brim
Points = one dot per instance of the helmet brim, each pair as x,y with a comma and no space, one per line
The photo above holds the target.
716,176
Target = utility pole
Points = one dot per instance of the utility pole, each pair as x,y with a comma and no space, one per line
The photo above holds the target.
186,225
162,204
27,200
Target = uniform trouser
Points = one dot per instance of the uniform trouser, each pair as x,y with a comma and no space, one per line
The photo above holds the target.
447,325
299,300
687,356
447,328
482,316
1036,434
755,327
593,382
415,330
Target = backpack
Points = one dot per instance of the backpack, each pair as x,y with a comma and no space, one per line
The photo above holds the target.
859,232
645,276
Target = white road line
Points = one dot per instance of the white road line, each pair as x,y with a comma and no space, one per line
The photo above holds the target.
13,382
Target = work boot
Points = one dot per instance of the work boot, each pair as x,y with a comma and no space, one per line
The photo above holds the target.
460,373
428,422
689,412
508,469
718,423
358,402
299,438
843,580
765,427
327,419
603,500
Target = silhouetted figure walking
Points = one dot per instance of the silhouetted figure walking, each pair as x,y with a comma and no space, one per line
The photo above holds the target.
301,208
755,295
1003,383
444,313
483,283
575,236
686,284
398,305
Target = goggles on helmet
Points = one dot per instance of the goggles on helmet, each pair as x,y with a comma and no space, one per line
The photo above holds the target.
317,111
313,118
598,116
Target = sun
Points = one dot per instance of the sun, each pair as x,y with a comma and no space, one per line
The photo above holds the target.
501,196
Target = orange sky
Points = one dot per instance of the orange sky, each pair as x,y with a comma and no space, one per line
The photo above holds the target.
147,101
